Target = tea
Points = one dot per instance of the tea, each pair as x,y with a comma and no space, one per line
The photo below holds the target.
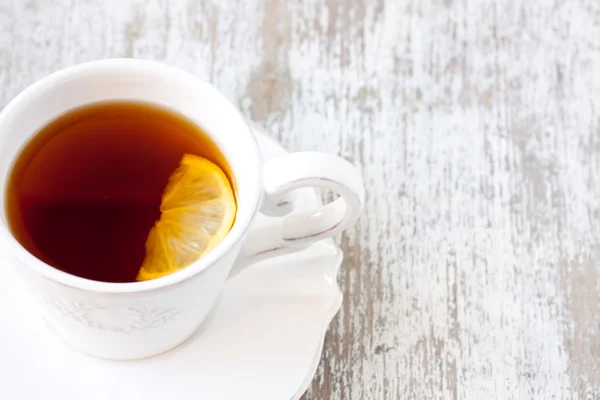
86,190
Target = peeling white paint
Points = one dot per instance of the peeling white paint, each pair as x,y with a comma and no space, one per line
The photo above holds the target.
473,273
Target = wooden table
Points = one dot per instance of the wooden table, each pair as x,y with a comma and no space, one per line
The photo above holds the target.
473,272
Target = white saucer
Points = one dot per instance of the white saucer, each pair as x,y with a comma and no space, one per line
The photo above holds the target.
263,339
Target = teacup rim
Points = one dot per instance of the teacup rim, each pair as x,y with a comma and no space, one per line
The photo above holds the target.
241,225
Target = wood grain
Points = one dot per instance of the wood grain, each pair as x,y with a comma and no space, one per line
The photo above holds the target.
473,273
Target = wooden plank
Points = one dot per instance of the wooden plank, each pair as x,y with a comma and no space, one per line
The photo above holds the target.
473,273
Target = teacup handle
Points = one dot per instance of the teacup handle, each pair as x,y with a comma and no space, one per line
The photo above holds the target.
299,230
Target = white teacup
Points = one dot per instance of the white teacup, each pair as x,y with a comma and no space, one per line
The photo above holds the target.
128,321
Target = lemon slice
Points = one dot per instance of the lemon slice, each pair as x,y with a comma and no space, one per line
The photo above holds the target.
197,211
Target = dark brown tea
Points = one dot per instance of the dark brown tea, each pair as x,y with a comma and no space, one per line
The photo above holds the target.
84,193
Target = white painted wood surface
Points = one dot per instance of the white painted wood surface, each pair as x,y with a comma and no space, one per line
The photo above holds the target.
474,272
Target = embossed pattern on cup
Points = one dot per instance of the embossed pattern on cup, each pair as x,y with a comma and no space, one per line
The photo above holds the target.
118,320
